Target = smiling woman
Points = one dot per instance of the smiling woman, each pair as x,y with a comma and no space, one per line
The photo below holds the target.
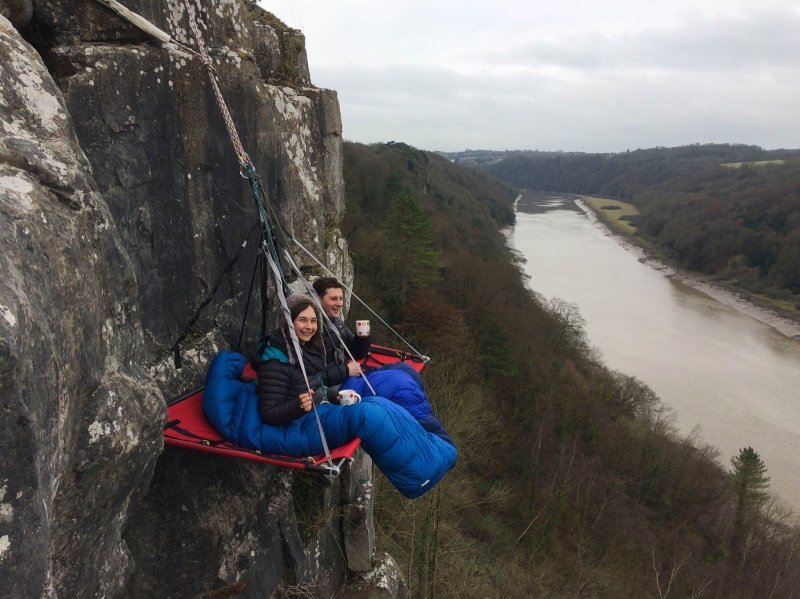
305,325
288,384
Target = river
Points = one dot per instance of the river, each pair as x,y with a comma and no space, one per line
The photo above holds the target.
730,379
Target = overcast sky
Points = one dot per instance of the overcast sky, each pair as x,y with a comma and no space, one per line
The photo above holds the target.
578,75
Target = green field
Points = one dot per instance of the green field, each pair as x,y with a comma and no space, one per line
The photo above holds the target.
756,164
613,213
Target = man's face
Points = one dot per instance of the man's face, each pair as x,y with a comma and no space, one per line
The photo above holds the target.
332,302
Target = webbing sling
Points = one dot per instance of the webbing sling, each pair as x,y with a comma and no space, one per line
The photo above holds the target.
268,244
313,293
264,301
299,353
175,349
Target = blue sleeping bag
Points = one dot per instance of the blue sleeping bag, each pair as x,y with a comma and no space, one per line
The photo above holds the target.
402,385
413,459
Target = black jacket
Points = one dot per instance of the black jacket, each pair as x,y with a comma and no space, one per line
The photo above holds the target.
358,346
280,384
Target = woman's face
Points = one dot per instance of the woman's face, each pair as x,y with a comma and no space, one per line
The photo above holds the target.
305,325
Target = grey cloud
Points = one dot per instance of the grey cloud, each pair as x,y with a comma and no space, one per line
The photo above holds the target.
545,79
439,108
725,43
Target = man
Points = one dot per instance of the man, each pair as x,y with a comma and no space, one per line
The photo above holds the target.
331,297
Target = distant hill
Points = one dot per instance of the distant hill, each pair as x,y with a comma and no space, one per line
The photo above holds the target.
487,157
723,152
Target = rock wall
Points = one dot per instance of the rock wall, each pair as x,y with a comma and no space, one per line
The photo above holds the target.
151,127
78,407
121,202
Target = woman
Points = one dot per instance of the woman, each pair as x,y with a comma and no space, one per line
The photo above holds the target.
281,387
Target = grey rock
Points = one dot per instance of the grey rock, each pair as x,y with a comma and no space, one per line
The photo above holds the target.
78,407
208,524
384,581
359,523
18,12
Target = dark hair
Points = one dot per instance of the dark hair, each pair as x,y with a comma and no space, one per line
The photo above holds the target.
322,285
299,305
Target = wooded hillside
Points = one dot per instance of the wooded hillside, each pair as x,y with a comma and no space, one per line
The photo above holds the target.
571,480
730,211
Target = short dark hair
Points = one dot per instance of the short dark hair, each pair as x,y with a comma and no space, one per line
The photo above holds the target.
322,285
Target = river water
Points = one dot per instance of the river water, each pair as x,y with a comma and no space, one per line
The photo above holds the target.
730,379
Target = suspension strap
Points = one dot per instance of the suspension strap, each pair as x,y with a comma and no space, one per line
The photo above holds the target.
175,349
247,303
140,22
270,241
299,353
313,293
425,358
264,296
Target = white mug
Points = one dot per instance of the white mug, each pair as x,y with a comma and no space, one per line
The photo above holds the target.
347,397
362,328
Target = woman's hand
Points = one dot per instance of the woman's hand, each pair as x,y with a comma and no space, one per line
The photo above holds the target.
353,369
306,401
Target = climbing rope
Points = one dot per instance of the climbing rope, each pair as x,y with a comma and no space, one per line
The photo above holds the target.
244,159
247,169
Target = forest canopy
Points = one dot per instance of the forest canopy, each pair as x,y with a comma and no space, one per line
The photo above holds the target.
571,480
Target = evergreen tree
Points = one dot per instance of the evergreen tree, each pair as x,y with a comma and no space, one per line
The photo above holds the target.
750,480
496,353
411,244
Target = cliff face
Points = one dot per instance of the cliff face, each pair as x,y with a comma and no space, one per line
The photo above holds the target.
78,406
121,202
151,127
